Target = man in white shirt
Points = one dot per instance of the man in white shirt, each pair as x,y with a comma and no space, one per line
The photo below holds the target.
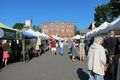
61,45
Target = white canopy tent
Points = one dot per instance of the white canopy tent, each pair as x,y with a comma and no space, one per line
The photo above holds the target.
42,35
38,43
57,38
45,36
36,34
115,25
32,34
98,30
105,27
27,34
101,28
83,36
77,37
89,34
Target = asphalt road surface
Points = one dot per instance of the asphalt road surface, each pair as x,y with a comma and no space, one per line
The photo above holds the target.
46,67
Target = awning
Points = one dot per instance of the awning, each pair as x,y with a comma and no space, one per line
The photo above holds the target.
7,32
30,34
77,37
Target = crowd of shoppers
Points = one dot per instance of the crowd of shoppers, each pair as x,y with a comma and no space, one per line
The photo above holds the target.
10,51
99,63
103,53
103,57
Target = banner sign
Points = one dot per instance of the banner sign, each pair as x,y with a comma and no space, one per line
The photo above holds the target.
7,34
1,33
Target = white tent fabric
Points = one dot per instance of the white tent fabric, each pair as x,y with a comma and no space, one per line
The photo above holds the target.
37,34
45,36
57,38
115,25
42,35
77,37
30,31
105,27
83,36
98,30
101,28
38,43
87,34
61,38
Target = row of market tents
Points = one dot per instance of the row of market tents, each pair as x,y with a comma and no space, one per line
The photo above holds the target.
7,33
105,27
32,34
10,33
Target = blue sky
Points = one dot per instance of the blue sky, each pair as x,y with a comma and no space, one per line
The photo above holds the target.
79,11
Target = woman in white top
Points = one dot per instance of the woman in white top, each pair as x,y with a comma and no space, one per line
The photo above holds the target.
82,50
96,60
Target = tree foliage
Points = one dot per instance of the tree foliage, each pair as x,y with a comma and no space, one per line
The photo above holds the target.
19,26
107,12
36,28
77,32
115,6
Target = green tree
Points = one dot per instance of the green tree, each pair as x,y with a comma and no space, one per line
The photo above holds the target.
19,26
115,6
36,28
77,32
107,12
103,13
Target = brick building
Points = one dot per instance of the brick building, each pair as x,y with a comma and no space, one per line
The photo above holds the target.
60,29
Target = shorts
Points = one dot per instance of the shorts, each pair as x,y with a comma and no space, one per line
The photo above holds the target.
53,49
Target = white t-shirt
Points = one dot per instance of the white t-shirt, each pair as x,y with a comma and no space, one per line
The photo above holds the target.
61,44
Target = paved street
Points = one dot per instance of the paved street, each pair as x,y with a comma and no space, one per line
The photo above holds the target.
46,67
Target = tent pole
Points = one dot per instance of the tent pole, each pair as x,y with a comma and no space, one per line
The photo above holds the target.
23,48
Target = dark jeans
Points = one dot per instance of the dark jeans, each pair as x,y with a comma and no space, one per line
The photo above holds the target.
115,66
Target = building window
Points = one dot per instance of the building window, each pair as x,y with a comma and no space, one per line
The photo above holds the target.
43,30
62,30
68,31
